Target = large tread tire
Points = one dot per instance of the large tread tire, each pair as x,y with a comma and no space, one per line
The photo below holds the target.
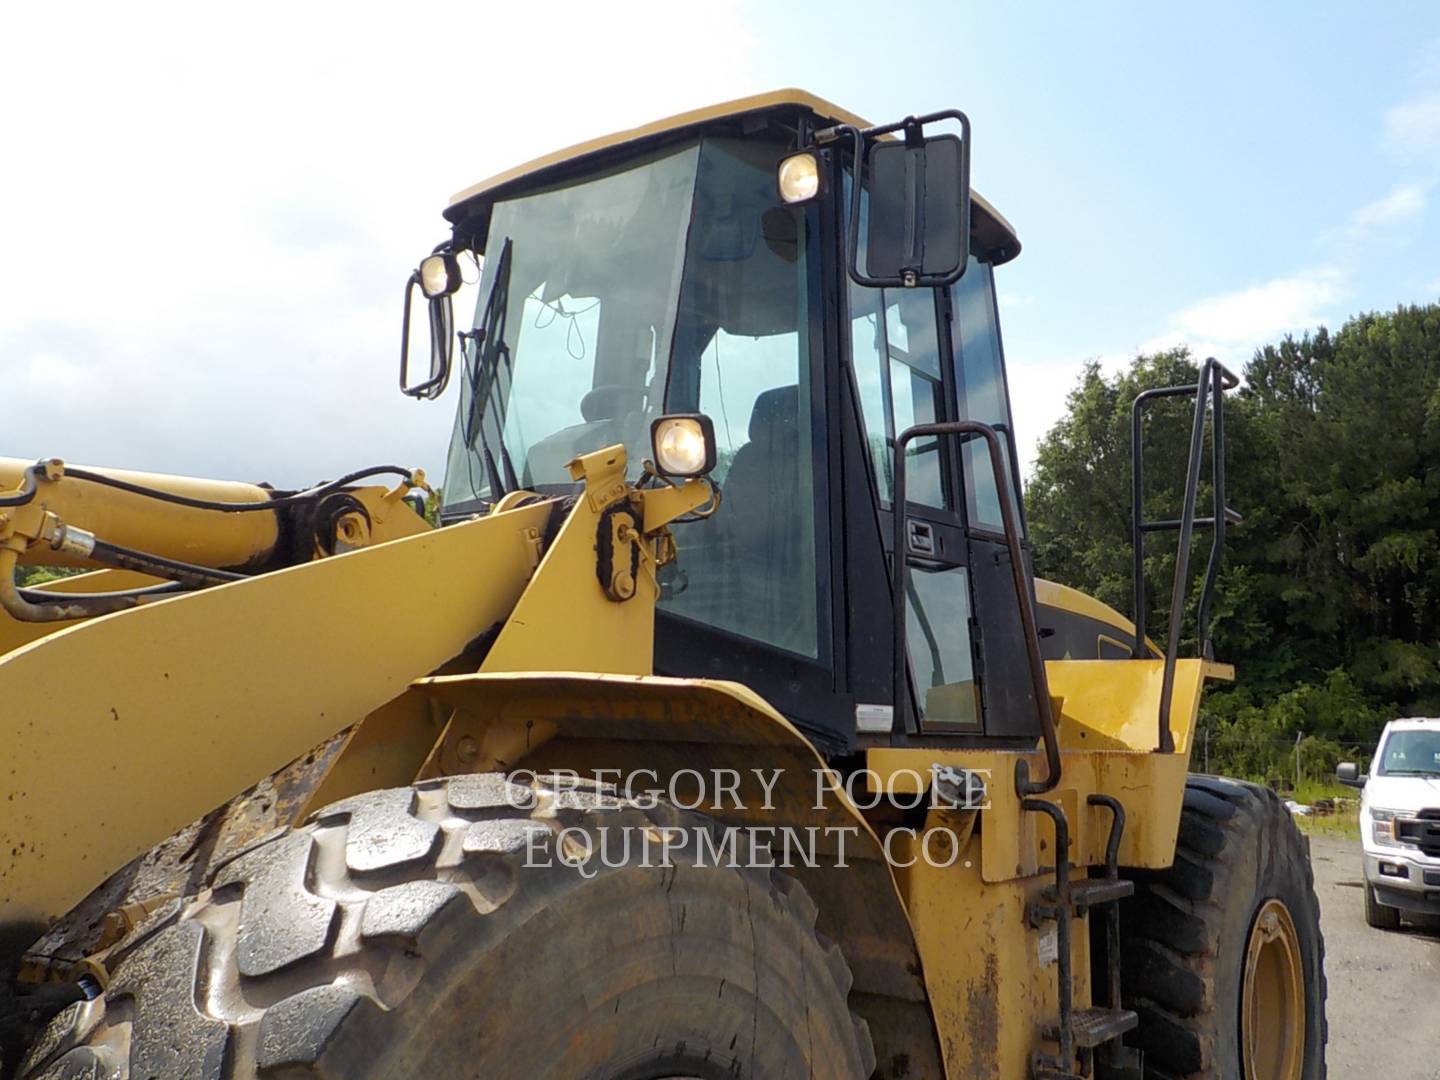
418,932
1184,933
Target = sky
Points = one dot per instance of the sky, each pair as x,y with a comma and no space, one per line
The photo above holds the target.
208,214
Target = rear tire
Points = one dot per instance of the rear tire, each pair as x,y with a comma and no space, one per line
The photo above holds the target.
1379,915
1204,940
433,931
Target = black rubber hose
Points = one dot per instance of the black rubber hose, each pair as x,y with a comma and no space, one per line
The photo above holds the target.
27,489
42,596
237,508
187,574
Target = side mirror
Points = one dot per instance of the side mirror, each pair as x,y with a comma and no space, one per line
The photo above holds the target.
1349,774
918,232
437,278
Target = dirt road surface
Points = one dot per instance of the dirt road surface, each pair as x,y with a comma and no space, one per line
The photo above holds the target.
1384,986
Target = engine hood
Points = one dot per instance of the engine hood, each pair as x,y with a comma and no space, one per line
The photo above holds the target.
1409,794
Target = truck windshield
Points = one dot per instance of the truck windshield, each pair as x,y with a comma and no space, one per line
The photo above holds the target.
577,305
1411,753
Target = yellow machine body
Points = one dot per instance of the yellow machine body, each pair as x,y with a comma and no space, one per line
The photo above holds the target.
123,729
521,639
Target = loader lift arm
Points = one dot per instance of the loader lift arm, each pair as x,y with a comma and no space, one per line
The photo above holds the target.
189,534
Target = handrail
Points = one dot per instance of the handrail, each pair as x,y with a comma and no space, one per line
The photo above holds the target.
1023,595
1209,390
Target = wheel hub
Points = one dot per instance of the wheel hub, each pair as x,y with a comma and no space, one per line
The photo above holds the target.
1272,1004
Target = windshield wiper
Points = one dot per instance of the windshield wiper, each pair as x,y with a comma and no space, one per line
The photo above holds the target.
490,345
1410,772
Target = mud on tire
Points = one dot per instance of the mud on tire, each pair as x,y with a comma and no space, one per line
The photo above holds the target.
419,931
1184,933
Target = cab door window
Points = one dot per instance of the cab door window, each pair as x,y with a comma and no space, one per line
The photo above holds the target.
899,376
980,368
897,369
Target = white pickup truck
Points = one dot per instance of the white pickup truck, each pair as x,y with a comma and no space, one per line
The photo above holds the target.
1400,822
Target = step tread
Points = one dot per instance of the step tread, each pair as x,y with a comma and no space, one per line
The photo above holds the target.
1096,891
1095,1026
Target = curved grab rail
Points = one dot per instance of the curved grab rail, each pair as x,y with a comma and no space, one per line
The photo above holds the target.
1024,598
1209,390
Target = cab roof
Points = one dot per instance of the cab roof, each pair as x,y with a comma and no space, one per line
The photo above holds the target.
1411,723
993,234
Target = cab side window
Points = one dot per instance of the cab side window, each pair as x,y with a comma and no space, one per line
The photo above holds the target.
980,367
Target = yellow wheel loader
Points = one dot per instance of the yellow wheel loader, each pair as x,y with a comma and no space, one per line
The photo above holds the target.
713,726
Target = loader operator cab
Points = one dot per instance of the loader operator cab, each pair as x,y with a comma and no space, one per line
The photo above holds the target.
674,272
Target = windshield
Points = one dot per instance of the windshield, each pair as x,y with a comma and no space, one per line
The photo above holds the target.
571,338
679,284
1411,753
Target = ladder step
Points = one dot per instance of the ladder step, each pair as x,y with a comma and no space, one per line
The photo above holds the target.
1096,1026
1094,892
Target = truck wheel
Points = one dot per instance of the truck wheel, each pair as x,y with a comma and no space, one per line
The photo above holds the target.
1221,954
1377,914
436,931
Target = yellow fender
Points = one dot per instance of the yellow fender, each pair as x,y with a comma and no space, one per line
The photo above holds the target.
672,735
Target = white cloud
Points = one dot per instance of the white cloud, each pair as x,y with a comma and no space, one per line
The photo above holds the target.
1412,128
1247,317
1406,201
207,220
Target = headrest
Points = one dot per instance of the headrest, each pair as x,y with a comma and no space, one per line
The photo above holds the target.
611,402
774,409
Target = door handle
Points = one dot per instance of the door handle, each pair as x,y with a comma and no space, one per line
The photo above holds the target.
921,537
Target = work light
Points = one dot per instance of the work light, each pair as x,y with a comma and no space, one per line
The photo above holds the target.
684,444
439,275
799,177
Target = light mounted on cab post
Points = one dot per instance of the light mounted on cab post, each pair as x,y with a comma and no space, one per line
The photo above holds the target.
684,444
438,279
439,275
919,214
798,177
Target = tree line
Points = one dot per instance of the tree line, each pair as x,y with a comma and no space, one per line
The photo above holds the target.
1328,600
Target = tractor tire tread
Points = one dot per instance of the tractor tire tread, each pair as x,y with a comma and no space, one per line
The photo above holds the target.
328,926
1172,926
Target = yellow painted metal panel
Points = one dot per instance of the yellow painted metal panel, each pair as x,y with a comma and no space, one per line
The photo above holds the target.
989,989
121,729
1115,704
1017,844
382,752
565,620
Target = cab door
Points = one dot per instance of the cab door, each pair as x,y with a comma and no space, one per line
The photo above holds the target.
982,393
900,357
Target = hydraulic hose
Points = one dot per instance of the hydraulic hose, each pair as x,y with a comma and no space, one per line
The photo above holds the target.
17,602
41,596
187,574
34,605
27,488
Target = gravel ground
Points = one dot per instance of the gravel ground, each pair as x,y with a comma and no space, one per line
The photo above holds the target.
1384,987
